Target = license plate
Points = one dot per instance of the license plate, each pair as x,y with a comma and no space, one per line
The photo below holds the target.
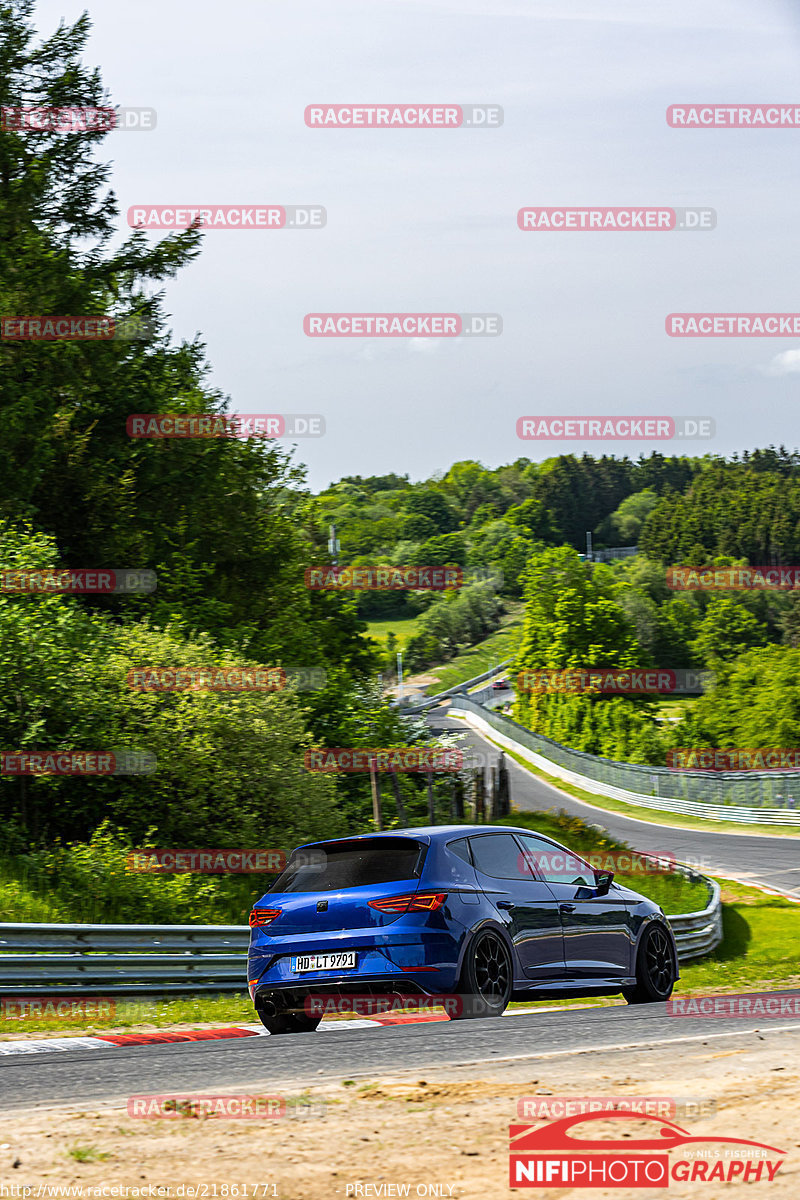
342,961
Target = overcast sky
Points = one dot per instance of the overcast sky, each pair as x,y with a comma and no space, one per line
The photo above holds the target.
425,221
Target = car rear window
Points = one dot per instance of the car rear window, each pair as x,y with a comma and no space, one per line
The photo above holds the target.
335,865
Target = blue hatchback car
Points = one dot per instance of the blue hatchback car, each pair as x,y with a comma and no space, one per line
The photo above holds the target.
484,913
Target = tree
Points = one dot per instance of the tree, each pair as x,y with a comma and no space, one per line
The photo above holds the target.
230,768
727,631
217,518
628,520
433,504
754,703
572,617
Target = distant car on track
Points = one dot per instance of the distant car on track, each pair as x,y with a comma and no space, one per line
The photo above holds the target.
500,685
485,913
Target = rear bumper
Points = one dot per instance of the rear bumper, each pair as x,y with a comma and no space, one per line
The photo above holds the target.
422,961
300,999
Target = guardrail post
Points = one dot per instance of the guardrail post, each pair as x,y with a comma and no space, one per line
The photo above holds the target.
480,796
494,811
503,788
458,798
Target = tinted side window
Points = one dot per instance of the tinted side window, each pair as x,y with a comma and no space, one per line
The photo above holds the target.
461,849
497,854
555,865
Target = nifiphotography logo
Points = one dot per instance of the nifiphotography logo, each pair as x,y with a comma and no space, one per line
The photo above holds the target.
556,1156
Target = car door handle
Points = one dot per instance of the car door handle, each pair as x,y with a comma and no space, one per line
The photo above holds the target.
567,907
505,904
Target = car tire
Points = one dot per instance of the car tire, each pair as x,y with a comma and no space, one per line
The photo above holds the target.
287,1022
486,979
655,968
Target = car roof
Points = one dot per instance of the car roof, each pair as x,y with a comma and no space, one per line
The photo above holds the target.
431,833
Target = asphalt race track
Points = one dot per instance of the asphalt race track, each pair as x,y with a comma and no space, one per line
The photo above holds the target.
271,1064
773,862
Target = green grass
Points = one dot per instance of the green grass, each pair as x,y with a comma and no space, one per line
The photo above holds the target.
85,1154
479,658
761,934
140,1015
672,709
653,815
94,884
404,628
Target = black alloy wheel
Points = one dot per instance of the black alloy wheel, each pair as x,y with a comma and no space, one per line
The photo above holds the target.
655,968
486,977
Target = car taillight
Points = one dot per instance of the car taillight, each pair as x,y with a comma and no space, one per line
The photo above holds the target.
416,902
263,916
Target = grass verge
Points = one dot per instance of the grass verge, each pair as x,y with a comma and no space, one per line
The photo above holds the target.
481,657
403,628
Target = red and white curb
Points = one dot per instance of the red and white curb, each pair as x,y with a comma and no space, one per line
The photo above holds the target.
102,1041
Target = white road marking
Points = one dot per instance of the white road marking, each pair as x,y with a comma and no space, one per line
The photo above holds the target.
37,1047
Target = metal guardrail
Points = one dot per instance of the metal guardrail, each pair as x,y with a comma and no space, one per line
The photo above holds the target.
459,689
122,959
698,933
721,797
612,552
148,960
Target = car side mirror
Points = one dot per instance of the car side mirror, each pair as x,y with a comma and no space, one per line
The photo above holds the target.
603,881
